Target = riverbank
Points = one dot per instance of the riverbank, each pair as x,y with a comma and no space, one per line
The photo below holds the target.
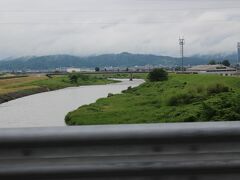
49,109
182,98
17,87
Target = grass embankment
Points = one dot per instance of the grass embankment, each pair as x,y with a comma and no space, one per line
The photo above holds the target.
22,86
182,98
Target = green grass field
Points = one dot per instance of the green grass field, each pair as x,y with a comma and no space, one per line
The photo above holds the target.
182,98
22,86
58,82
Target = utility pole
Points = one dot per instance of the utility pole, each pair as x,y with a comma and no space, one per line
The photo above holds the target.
181,43
238,60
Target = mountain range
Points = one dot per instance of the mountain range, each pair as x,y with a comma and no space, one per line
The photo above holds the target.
124,59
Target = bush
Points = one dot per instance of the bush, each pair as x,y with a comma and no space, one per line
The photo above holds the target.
97,69
224,108
129,88
110,94
83,77
212,62
208,111
226,63
217,88
74,77
184,98
158,74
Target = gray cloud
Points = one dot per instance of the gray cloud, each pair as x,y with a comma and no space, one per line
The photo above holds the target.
86,27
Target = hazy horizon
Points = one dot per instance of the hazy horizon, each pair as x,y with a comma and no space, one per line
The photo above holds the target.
91,27
95,55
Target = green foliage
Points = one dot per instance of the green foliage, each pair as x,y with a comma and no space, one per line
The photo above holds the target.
110,94
73,78
221,108
97,69
226,63
212,62
158,74
76,77
208,112
183,98
217,88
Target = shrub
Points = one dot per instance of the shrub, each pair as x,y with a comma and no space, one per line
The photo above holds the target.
158,74
212,62
83,77
73,78
129,88
224,108
110,94
97,69
208,111
217,88
184,98
190,118
200,89
226,63
155,103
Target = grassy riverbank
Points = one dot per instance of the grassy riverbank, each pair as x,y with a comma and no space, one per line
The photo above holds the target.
182,98
17,87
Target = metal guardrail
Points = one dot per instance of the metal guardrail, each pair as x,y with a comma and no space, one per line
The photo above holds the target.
182,151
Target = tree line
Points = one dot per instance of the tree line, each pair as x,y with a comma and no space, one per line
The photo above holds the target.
224,62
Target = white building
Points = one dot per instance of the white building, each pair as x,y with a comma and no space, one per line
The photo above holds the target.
71,70
216,69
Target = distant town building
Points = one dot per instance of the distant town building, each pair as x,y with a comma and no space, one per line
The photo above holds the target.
218,69
71,70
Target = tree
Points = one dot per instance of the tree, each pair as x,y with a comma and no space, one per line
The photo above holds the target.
226,63
158,74
97,69
212,62
73,78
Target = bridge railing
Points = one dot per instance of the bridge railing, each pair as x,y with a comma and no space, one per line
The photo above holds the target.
189,151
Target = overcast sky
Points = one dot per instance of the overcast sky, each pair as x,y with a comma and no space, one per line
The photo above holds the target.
88,27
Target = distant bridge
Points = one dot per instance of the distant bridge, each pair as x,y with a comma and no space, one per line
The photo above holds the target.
178,151
99,72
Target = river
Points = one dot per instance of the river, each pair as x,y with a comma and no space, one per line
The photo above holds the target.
50,108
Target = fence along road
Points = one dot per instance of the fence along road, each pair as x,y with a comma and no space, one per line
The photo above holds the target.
182,151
